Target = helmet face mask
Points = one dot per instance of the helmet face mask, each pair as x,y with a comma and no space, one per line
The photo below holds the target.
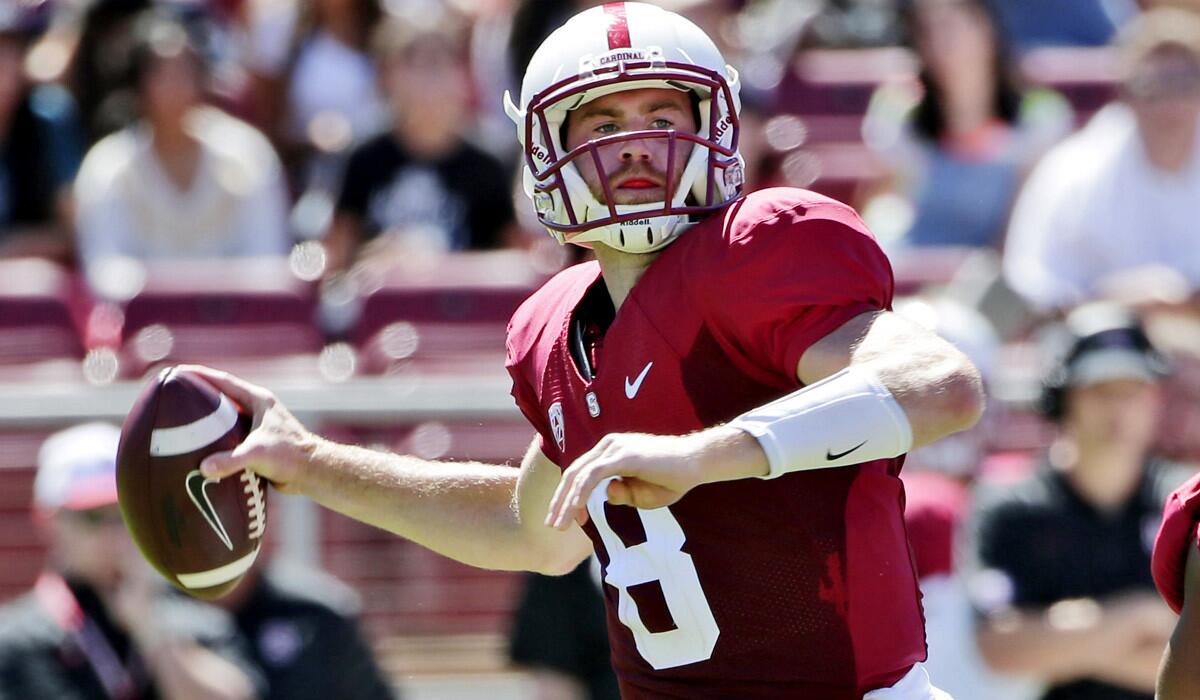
582,51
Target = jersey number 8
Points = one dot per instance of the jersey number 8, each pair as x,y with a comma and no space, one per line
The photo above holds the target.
660,559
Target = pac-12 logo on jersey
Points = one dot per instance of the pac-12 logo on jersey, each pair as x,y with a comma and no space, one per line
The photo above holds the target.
558,426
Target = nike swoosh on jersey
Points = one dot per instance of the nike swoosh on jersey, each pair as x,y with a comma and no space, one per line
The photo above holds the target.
631,389
831,455
196,484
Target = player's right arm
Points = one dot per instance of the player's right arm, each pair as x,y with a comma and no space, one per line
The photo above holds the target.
1179,675
485,515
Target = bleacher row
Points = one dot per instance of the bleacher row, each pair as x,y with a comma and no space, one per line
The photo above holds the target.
828,92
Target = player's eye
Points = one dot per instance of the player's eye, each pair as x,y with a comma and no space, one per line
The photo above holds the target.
607,128
661,123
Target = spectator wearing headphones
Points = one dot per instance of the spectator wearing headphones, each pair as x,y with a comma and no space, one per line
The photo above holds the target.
1061,577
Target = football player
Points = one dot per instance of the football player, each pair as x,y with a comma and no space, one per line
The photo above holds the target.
1176,568
722,399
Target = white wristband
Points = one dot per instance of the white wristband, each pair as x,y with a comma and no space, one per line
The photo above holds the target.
847,418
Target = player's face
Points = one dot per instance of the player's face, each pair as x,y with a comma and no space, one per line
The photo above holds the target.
636,169
1122,413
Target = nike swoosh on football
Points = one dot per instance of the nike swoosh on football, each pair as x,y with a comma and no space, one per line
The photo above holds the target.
831,455
196,484
631,390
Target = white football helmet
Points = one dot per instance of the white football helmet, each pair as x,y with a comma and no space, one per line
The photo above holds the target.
606,49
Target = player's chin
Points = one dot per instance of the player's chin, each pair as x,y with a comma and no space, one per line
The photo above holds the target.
641,195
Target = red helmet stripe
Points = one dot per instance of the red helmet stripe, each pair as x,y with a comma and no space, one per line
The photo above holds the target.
618,26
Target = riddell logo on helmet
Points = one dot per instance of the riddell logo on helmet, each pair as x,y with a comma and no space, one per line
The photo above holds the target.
722,127
540,153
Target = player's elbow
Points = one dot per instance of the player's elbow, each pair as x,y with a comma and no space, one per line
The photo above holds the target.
558,563
963,397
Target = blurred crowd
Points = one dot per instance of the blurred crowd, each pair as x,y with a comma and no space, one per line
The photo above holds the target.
1032,167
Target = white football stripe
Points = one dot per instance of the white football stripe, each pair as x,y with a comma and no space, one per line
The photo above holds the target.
219,575
167,442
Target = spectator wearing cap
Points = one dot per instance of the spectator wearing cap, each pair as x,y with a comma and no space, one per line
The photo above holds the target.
186,181
40,144
1112,210
94,626
1061,571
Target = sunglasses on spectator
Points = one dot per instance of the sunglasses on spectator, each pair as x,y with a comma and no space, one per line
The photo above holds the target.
1164,84
96,517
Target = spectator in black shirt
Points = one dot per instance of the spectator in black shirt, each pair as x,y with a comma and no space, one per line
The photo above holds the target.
94,626
1063,557
302,630
560,635
421,183
40,145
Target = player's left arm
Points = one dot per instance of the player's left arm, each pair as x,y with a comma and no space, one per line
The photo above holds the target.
1179,674
875,387
937,387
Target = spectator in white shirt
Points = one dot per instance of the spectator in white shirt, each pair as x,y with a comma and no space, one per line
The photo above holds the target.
186,181
1118,203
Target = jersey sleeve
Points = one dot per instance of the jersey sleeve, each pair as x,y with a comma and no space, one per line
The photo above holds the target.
779,284
517,363
1176,536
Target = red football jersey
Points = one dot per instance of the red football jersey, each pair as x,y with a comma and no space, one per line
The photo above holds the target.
1176,535
801,586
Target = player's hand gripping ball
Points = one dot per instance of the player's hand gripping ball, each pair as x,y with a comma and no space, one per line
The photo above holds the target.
201,534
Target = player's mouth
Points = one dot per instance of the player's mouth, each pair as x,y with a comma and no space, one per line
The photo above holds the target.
638,183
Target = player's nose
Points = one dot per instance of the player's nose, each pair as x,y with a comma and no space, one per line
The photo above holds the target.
635,150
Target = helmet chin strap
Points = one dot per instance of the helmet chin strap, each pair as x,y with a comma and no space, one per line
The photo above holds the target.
642,235
637,236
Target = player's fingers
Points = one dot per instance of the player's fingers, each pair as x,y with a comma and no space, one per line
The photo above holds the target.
581,490
251,396
620,493
560,493
560,508
556,516
219,465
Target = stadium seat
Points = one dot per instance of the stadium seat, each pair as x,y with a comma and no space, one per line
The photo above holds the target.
839,81
1086,77
39,336
220,311
461,288
20,547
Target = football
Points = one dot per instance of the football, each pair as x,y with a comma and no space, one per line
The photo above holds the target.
201,534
